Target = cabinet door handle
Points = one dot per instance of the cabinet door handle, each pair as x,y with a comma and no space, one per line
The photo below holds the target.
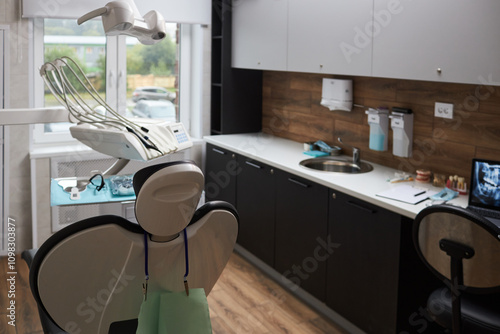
361,207
298,182
218,151
253,165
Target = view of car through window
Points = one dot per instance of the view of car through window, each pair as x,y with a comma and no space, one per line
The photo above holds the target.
160,109
152,93
153,78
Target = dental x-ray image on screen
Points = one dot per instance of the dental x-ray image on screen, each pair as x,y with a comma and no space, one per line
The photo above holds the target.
486,183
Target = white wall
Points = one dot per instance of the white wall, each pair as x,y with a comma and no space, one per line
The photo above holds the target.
19,167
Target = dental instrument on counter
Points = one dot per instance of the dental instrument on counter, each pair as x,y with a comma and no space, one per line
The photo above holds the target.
400,177
320,149
398,180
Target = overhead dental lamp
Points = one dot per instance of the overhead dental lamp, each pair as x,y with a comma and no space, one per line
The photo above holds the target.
123,18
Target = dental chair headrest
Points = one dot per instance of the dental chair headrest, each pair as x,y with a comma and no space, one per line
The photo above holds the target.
167,196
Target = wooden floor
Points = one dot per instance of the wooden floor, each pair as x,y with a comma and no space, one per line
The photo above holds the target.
244,300
26,313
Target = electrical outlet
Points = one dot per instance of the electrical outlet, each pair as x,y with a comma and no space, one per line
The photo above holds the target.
444,110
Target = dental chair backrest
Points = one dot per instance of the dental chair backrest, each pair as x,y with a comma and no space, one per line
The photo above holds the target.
88,277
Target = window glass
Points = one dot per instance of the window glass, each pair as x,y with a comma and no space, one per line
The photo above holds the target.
153,77
86,45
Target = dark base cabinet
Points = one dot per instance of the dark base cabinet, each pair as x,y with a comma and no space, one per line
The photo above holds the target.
301,243
255,202
375,278
221,169
362,273
356,257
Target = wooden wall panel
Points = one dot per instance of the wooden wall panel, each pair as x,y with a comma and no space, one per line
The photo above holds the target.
291,109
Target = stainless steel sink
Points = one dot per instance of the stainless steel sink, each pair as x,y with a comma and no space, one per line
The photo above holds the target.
326,164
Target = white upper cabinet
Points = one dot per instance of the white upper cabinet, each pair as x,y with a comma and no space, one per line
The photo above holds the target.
330,36
445,40
431,40
259,35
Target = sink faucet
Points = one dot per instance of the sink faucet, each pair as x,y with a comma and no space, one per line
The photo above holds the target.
356,153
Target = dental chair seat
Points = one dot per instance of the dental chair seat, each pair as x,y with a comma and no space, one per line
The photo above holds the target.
88,277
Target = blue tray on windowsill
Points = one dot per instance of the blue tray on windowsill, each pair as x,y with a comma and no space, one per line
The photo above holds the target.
59,196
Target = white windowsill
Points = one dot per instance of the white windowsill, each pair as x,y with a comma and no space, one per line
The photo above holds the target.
40,151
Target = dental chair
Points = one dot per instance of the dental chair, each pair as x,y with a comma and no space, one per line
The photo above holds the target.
90,276
463,250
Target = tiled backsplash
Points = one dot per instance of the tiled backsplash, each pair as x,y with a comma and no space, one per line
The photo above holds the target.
291,109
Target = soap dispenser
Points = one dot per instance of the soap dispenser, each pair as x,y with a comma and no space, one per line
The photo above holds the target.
379,128
402,129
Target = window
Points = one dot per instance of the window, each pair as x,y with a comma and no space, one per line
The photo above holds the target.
152,75
121,69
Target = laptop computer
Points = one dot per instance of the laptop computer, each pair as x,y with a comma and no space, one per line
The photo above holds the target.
484,191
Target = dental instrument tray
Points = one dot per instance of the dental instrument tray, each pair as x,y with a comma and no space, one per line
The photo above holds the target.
168,137
77,190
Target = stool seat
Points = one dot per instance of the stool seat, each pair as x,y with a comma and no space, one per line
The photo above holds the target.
480,313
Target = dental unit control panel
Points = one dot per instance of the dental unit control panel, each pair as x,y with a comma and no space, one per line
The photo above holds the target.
181,135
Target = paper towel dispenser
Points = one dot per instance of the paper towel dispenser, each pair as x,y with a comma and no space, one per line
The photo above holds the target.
337,94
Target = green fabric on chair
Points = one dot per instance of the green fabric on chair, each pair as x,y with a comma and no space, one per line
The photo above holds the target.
175,312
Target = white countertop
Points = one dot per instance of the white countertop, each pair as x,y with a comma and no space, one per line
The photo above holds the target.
286,155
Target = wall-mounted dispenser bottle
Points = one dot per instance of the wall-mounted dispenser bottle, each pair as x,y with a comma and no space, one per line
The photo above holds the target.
379,128
402,129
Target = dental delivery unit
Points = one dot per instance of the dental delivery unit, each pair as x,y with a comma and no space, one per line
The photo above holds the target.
103,129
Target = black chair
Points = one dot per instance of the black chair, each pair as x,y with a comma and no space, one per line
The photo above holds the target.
463,250
88,277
